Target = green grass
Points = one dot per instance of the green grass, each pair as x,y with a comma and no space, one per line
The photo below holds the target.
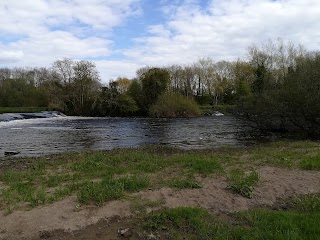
183,183
110,189
204,164
186,223
195,223
281,225
123,171
242,183
311,163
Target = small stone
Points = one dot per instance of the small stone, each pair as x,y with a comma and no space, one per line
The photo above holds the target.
125,232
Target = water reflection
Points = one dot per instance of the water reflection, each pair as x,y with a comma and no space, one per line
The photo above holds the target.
35,137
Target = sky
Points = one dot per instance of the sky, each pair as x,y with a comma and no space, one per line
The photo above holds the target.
121,36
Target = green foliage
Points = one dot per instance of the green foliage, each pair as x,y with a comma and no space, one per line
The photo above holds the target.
21,92
204,99
243,183
174,105
135,92
311,163
244,89
154,83
290,103
125,105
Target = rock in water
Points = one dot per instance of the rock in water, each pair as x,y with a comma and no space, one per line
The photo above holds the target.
11,153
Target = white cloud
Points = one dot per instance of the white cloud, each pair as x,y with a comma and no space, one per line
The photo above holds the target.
114,69
226,28
10,56
34,16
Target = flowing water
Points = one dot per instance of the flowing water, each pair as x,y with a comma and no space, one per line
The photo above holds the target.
35,137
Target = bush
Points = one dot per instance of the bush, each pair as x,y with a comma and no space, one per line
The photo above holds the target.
174,105
290,105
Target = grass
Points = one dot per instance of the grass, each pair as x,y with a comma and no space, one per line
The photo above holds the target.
185,223
97,177
266,224
242,183
311,163
195,223
183,183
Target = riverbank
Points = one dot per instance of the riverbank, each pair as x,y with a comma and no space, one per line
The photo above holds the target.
159,191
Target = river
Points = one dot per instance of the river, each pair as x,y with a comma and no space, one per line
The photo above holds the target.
36,137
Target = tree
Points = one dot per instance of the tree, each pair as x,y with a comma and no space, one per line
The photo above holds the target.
205,70
154,82
289,103
123,85
86,85
135,92
64,75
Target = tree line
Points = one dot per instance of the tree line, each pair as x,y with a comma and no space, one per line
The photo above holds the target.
276,87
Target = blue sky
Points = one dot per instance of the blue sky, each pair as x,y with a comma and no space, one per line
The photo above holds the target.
121,36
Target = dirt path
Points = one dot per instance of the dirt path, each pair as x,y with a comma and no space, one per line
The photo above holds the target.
89,222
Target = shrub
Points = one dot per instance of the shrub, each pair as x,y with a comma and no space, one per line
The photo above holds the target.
174,105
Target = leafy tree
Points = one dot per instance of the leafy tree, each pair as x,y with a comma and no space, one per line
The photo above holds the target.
289,105
123,85
125,105
85,87
154,82
135,92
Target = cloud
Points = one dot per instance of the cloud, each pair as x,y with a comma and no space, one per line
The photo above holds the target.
10,56
115,69
223,29
44,49
34,16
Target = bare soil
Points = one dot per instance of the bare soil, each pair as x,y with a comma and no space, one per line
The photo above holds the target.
66,220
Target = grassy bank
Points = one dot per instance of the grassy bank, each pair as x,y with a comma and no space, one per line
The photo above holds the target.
299,221
98,177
